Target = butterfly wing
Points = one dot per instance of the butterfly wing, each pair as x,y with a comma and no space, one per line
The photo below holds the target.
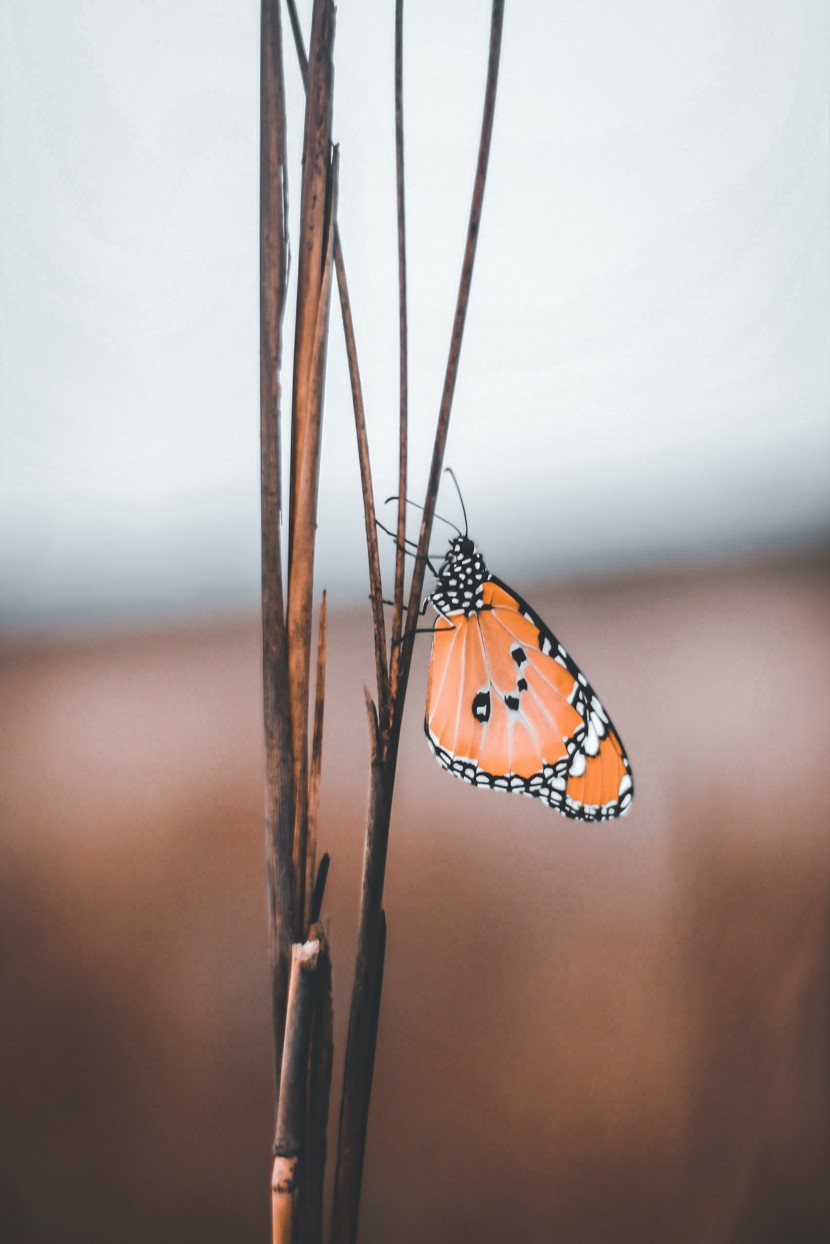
509,709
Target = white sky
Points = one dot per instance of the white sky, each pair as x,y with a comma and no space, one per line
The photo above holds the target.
645,370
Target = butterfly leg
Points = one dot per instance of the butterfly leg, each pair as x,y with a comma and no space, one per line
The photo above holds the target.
417,556
421,611
425,630
418,630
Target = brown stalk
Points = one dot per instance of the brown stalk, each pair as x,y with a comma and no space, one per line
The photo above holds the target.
279,795
357,1076
296,31
309,481
397,612
365,1004
317,210
290,1132
375,587
319,1083
315,770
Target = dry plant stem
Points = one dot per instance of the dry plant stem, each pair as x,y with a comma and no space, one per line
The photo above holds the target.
291,1112
363,1016
279,797
375,588
306,835
319,1084
316,150
319,887
365,1001
313,285
316,763
296,31
397,613
373,1029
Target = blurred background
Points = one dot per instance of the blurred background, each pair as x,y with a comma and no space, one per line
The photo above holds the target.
588,1034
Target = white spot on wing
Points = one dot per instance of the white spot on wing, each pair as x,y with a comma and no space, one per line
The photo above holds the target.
597,708
577,767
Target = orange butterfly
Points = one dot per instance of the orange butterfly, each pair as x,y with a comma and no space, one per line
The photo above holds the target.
507,707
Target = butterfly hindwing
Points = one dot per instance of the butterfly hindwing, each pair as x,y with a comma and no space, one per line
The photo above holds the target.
508,708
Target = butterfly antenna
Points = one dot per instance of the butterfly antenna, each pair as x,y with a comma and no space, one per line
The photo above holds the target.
449,471
420,507
412,543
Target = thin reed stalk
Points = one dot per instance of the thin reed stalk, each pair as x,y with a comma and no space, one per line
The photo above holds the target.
317,215
403,339
316,769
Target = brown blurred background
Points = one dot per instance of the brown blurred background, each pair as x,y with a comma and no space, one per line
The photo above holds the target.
588,1034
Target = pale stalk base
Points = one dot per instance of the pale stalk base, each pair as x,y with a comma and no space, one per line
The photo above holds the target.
283,1199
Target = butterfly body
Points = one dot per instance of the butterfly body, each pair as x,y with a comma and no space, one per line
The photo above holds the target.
507,707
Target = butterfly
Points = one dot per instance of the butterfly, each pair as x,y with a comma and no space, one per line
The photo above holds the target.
507,707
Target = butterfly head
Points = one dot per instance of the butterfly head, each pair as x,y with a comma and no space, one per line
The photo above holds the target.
460,579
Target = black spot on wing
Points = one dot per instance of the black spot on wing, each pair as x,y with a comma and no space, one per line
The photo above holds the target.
481,706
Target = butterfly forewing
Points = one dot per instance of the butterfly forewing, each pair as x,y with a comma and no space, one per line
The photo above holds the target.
508,708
